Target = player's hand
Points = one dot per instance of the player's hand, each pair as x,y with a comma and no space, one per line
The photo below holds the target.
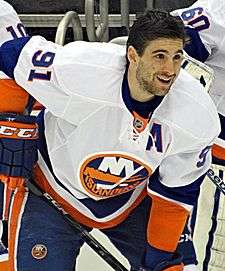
18,145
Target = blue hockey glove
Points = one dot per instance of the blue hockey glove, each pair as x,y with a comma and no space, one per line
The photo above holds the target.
9,54
18,145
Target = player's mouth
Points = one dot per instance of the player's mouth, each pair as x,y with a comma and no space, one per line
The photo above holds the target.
165,80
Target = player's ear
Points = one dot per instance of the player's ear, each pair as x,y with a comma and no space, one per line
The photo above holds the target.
132,55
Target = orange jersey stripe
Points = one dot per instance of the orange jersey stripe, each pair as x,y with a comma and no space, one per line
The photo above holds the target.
16,208
7,196
166,223
79,217
10,184
4,266
218,152
13,97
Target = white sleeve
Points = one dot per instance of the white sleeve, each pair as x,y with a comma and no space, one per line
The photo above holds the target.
186,153
71,81
188,156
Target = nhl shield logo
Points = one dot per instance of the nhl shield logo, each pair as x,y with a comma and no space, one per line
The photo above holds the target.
138,124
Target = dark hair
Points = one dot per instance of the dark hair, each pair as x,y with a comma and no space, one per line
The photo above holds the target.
154,24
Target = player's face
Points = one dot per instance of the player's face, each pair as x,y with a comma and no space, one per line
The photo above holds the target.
159,66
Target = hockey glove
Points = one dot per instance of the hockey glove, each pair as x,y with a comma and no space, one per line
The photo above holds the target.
18,145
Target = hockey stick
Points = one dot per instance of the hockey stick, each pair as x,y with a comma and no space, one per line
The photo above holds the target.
220,184
86,236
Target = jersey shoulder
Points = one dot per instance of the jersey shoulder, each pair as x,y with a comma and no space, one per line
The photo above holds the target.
11,26
94,69
6,8
189,108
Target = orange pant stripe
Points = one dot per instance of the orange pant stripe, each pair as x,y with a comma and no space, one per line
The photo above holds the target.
14,223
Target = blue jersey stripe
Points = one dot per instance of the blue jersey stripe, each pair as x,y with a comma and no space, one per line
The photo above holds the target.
9,54
216,160
187,194
222,123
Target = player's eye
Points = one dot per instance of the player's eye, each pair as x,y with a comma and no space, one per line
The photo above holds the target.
178,57
160,56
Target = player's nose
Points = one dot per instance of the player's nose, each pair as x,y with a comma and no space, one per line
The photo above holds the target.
169,67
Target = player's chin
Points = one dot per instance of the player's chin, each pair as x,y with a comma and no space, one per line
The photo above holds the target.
162,91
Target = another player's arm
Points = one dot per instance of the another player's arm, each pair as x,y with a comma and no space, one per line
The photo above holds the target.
198,23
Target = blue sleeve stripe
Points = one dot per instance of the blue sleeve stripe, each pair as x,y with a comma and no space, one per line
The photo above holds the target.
187,194
222,123
195,47
9,54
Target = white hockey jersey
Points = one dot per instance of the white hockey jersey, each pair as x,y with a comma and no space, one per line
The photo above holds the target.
99,153
208,17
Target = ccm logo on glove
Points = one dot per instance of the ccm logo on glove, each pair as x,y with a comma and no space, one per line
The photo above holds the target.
19,130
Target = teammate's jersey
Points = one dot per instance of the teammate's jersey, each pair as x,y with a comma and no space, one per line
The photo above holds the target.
208,18
10,28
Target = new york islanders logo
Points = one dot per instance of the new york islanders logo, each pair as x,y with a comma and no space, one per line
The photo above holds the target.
111,174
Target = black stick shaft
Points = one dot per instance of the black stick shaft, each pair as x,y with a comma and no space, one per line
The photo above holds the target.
87,237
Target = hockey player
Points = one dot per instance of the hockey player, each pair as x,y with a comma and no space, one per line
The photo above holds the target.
205,21
11,27
112,131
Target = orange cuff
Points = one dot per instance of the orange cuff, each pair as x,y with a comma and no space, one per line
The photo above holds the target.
4,266
166,223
